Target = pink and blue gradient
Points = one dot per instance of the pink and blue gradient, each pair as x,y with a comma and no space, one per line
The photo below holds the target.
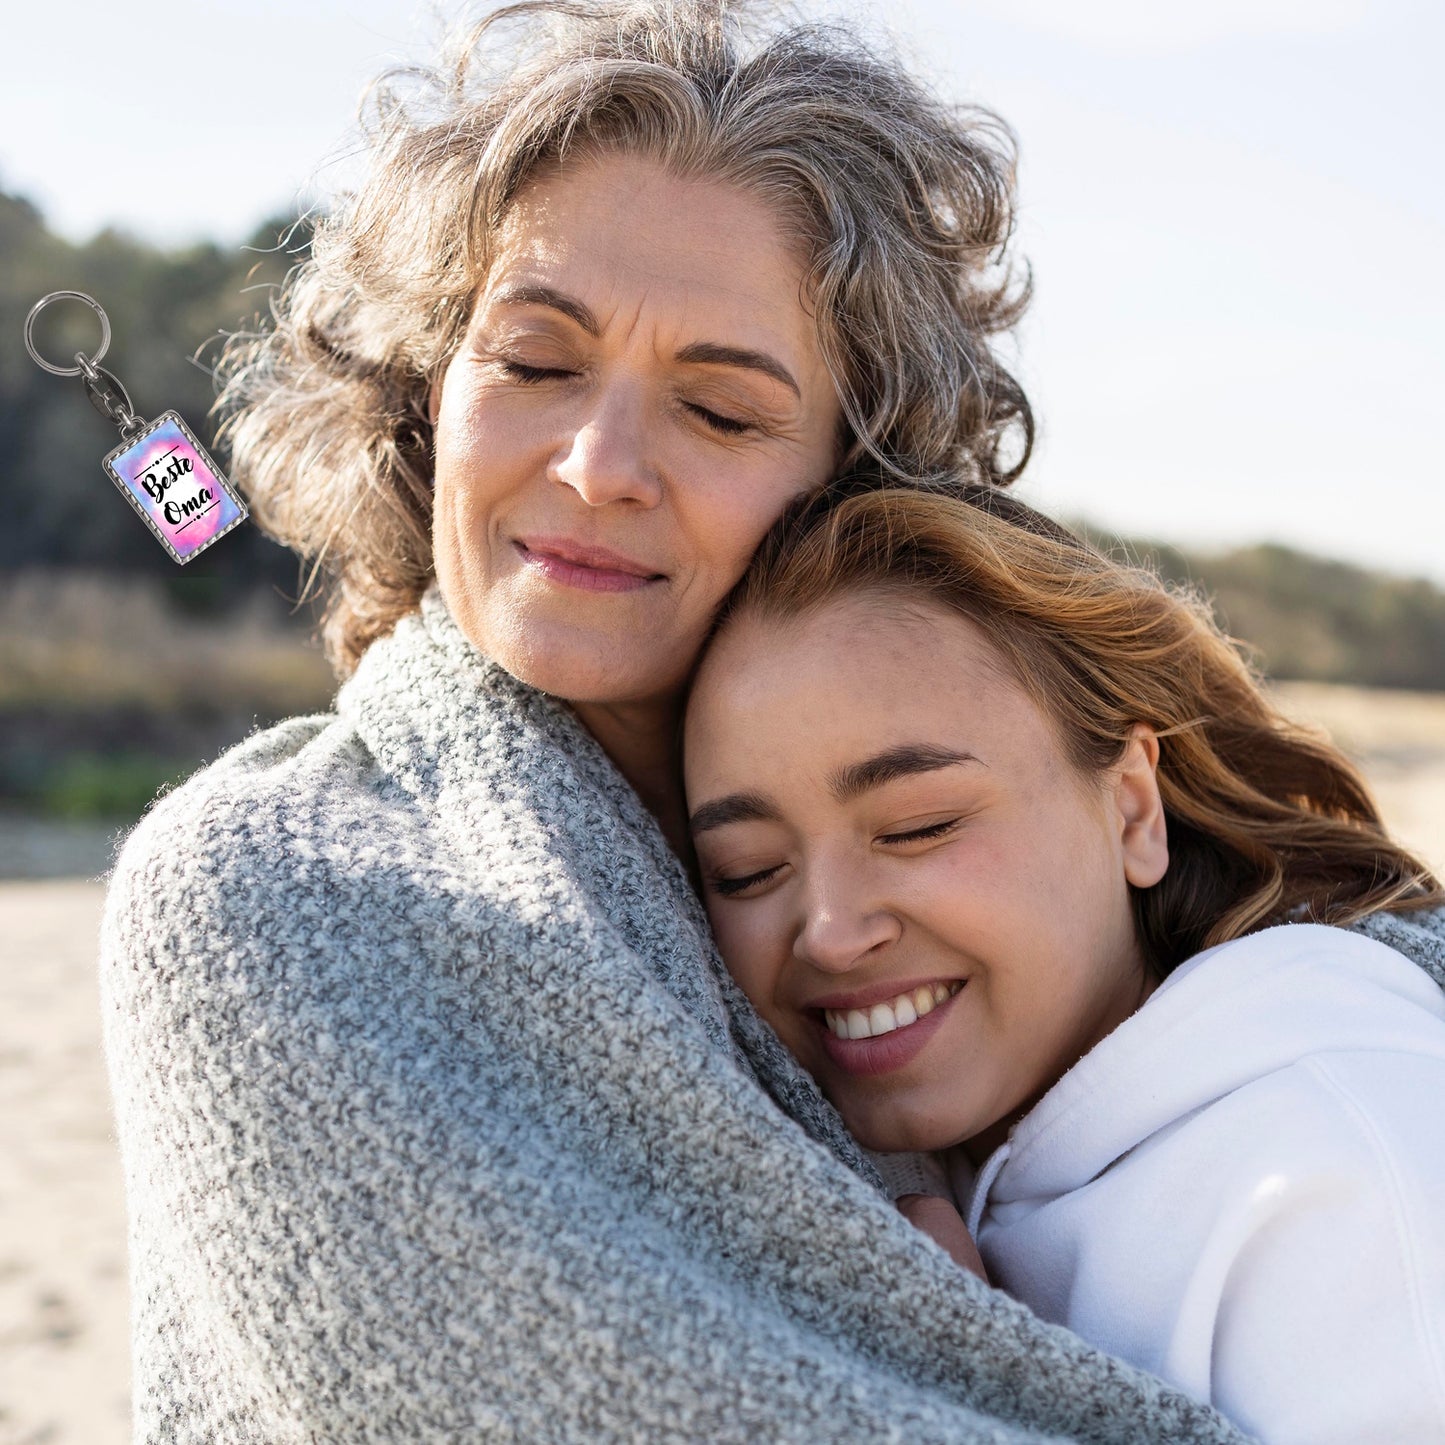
195,520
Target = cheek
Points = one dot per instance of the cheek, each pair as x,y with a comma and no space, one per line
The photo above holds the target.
975,885
727,520
731,936
749,943
479,437
1090,866
727,502
993,904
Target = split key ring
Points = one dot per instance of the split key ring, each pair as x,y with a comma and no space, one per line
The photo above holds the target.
80,357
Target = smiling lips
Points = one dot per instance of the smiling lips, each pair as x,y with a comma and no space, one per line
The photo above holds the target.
593,569
884,1018
886,1035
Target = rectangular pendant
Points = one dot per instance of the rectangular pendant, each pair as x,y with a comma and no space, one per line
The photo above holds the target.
179,492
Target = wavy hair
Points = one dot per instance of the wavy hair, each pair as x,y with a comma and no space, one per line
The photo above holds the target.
1267,822
903,208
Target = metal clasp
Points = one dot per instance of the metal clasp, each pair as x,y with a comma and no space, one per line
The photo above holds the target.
108,396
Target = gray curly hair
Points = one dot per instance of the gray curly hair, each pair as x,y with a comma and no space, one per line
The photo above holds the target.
903,207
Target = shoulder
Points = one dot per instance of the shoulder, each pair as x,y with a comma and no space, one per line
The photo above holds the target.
220,809
1320,1038
1301,988
1417,934
1290,949
240,849
1337,1266
1231,1023
1304,1197
1357,1128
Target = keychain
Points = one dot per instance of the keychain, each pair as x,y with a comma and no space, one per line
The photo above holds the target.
160,467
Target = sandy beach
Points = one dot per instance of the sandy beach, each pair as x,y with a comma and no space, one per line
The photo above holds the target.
63,1298
64,1374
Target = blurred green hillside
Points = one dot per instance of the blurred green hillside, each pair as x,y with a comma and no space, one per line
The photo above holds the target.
121,672
1309,618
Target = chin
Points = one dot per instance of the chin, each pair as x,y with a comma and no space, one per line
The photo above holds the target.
895,1132
589,670
544,647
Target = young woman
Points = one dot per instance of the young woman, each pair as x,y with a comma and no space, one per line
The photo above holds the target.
1006,842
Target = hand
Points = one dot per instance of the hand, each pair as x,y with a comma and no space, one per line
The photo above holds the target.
943,1224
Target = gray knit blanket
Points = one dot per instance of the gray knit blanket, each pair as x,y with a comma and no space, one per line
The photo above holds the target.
440,1121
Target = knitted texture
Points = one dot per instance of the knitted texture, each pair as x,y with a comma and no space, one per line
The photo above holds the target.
441,1121
1420,936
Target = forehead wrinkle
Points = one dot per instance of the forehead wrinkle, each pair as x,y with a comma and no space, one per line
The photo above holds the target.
527,252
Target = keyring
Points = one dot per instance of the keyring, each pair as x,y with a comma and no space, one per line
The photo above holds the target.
66,296
161,468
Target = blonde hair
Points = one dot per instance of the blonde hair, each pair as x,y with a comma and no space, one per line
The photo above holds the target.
902,206
1266,821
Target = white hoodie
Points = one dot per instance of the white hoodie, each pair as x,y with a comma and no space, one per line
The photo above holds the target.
1242,1189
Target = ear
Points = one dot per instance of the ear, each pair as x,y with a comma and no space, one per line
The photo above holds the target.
1142,831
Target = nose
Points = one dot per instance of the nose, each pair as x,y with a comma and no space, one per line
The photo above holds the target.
608,457
843,924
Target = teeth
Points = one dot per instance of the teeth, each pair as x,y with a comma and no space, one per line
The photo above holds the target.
884,1018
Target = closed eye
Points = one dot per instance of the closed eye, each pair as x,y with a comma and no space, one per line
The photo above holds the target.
727,887
920,835
727,425
529,375
520,371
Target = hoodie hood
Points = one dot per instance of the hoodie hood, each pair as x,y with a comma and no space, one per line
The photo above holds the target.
1224,1019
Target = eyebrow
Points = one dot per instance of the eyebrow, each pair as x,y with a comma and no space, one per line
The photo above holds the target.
712,353
699,353
735,808
845,784
900,762
548,296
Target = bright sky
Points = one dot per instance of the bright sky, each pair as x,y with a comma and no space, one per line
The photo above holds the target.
1235,213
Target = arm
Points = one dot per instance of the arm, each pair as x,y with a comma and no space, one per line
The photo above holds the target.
944,1225
920,1187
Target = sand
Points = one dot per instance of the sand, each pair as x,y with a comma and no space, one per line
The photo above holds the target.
64,1375
63,1301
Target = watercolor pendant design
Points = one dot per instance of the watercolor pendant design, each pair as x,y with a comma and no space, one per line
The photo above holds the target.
179,492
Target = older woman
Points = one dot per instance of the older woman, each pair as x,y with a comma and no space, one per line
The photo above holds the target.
439,1119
